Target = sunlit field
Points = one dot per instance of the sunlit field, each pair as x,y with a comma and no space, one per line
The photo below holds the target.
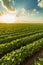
21,44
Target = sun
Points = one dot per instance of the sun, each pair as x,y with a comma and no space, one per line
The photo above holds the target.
8,18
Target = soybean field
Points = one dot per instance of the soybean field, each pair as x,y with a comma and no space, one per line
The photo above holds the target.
21,44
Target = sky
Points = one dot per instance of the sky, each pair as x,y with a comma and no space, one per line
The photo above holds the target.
22,10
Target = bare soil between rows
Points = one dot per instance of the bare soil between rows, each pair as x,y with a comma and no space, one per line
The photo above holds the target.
29,61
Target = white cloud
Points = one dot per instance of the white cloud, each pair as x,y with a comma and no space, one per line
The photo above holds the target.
0,0
40,3
23,11
34,12
1,13
38,0
5,4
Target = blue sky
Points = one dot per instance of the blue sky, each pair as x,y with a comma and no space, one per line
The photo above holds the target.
29,9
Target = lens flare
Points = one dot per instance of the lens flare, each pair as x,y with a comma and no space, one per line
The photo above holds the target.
8,18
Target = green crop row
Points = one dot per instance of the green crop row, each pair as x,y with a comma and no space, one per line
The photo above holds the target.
4,48
10,38
18,56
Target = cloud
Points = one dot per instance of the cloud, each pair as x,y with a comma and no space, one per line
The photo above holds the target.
38,0
40,3
1,13
6,4
34,12
23,11
0,0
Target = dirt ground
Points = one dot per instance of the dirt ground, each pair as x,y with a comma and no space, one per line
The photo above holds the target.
29,61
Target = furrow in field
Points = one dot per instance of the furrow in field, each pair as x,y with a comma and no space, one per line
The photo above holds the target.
8,47
17,57
11,38
30,61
